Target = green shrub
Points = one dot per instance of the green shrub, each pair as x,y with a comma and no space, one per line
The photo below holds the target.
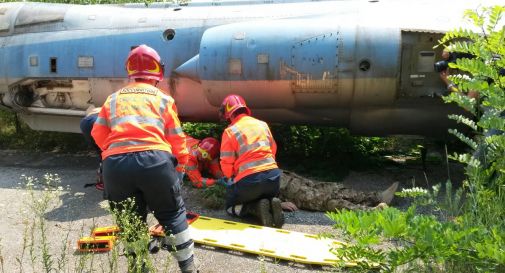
466,232
326,153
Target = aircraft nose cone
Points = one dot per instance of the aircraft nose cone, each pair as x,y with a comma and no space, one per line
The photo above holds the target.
189,69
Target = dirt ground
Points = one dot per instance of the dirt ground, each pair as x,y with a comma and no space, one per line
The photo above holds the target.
79,208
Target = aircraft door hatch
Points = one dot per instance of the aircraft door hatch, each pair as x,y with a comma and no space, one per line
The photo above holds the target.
417,76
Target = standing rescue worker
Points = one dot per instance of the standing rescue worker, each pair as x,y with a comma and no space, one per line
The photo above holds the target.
203,156
248,157
142,141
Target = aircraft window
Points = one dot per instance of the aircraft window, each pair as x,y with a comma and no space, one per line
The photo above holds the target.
364,65
53,62
425,61
169,34
34,61
34,14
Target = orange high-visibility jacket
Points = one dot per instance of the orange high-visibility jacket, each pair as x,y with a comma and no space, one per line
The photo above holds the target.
195,167
247,147
139,117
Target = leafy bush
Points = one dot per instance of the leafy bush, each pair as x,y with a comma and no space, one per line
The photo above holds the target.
327,152
468,232
203,130
15,134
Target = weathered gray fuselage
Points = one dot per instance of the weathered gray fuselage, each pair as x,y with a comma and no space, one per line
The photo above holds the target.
364,65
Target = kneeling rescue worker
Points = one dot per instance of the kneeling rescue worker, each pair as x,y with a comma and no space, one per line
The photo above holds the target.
142,141
248,158
203,157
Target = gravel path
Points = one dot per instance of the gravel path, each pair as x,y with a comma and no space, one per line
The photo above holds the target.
77,209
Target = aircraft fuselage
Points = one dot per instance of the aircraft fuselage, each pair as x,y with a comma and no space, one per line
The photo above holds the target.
364,65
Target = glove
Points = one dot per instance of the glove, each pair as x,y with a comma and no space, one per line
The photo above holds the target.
180,168
224,181
180,176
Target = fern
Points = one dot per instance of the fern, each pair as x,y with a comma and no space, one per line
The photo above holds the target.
495,15
471,237
464,120
463,101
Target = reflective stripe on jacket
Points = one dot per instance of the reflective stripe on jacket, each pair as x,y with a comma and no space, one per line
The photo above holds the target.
247,147
191,143
139,117
194,167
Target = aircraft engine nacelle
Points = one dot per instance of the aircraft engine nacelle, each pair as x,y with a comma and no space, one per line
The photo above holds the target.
296,63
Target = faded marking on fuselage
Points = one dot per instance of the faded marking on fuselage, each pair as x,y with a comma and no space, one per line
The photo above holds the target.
305,83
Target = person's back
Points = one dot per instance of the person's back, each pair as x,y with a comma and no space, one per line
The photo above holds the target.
142,141
255,145
141,118
248,157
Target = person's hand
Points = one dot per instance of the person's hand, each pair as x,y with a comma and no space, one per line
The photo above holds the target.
473,94
93,110
180,176
446,54
288,206
224,181
443,76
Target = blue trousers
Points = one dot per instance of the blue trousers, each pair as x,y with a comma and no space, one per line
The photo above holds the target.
150,178
253,187
86,126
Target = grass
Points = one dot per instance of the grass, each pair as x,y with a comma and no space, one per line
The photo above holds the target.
15,134
46,246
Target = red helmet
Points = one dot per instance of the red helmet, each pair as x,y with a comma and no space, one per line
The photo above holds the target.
144,63
231,104
208,149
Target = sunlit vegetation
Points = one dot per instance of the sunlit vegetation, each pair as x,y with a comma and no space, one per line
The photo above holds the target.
466,231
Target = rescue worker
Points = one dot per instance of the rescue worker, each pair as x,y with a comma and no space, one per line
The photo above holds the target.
86,126
203,156
444,76
248,159
299,192
142,141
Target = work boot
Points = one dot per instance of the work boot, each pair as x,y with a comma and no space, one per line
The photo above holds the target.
189,268
387,195
380,206
261,210
277,214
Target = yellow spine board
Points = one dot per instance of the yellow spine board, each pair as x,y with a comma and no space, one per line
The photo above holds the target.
271,242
